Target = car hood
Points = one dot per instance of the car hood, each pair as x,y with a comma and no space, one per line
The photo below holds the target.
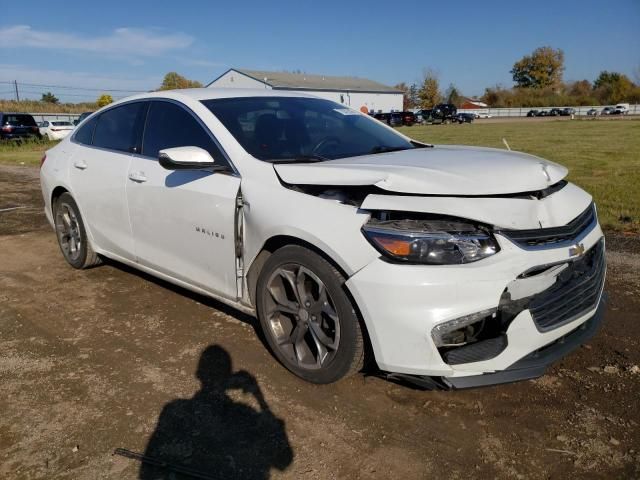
441,170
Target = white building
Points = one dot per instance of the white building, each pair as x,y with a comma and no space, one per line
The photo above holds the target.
357,93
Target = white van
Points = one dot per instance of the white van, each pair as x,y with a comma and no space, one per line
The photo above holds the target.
622,108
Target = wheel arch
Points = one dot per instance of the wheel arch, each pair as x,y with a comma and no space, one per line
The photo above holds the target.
55,194
278,241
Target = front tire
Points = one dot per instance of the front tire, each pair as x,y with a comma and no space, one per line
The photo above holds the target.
307,318
72,235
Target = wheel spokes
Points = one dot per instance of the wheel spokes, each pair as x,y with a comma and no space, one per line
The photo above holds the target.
304,323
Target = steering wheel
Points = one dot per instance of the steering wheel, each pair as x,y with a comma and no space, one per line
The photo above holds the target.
322,144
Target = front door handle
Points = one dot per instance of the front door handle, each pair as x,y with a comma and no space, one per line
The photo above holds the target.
80,164
138,177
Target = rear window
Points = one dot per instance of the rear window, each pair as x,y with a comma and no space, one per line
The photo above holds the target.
16,120
118,128
84,134
62,124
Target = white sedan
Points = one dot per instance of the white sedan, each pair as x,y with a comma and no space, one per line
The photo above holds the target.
55,130
355,246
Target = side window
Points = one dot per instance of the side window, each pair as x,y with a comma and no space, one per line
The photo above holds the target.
118,128
84,134
169,125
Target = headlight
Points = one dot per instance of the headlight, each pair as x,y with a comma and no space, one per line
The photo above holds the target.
432,241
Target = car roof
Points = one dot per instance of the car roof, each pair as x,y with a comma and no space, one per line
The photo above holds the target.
199,94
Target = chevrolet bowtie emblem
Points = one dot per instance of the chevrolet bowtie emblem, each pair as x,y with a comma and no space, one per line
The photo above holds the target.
577,250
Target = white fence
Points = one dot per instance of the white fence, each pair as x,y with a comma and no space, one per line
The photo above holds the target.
522,111
52,117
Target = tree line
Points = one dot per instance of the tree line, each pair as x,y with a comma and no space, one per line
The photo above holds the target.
538,82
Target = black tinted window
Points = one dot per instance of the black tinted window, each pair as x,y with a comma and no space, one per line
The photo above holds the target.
84,134
169,125
117,128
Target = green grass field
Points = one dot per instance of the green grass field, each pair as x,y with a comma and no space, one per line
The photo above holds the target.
603,156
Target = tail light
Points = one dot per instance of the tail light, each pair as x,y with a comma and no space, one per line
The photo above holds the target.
34,129
7,128
42,160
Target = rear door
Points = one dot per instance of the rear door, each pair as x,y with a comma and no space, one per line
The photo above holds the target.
183,220
98,174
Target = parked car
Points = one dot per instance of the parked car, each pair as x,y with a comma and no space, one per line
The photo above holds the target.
465,117
55,130
533,113
592,112
18,126
567,112
82,116
393,119
622,109
555,112
444,113
543,113
607,111
408,118
449,280
423,116
481,114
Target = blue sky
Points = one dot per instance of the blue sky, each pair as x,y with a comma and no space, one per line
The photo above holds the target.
131,45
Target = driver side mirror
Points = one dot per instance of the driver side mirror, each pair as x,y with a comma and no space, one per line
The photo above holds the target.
185,158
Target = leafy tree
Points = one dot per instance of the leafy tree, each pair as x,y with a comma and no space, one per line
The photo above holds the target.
104,99
49,98
173,81
612,87
414,99
580,88
406,99
429,92
543,68
452,95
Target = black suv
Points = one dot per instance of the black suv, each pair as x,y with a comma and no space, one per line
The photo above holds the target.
393,119
16,126
82,116
444,113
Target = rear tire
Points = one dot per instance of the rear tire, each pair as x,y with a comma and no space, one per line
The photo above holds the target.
72,235
307,317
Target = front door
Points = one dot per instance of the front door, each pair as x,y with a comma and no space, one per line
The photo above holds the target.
183,220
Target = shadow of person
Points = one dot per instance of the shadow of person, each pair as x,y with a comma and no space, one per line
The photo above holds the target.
214,435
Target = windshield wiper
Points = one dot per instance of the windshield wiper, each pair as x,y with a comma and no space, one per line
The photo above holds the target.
386,149
301,159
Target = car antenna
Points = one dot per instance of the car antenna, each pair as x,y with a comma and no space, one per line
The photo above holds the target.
506,144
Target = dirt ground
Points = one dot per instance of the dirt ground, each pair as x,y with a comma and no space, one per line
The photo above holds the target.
108,358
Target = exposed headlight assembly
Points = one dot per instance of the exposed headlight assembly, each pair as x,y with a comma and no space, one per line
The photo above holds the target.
430,241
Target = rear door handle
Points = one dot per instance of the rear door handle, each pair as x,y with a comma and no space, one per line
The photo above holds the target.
138,177
80,165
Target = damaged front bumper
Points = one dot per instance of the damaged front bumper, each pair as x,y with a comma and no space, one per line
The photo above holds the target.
544,315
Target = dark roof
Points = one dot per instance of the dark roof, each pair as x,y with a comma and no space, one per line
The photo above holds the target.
304,81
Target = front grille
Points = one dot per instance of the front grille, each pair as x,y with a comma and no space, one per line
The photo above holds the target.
554,236
575,292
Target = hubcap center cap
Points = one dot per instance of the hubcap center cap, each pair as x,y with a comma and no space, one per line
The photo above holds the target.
303,314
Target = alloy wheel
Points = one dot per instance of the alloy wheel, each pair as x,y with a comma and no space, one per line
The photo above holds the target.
302,317
68,230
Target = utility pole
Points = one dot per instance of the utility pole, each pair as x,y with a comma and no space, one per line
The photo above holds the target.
15,83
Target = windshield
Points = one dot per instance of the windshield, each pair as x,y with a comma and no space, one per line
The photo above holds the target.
298,128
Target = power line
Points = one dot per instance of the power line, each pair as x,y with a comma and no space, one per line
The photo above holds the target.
76,88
